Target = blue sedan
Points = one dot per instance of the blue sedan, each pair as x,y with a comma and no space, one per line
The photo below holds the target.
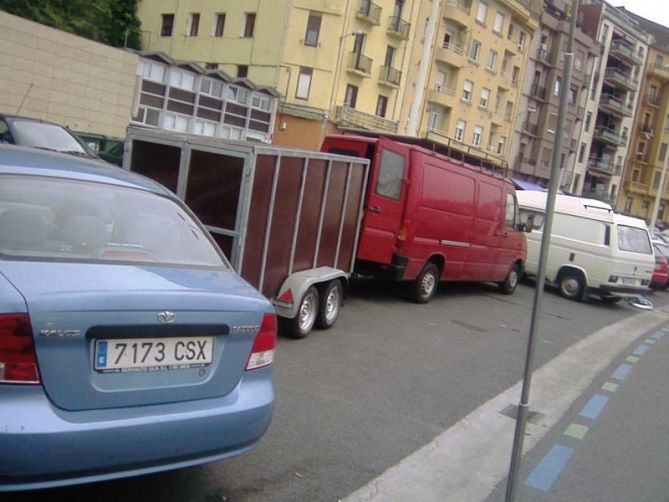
128,345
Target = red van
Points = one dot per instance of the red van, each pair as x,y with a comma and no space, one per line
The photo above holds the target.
428,218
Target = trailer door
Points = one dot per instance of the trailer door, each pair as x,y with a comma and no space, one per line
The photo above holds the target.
386,196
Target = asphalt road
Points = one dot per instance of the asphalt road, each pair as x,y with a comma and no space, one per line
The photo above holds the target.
357,399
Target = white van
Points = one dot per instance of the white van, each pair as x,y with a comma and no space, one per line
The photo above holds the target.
592,249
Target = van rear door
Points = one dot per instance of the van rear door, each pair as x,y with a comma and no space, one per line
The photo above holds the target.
511,241
384,205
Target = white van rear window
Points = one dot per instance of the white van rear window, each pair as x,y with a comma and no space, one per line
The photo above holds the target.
633,239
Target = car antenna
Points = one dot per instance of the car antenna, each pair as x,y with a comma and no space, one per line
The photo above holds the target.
24,98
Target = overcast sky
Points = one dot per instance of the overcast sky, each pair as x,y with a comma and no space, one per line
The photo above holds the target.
654,10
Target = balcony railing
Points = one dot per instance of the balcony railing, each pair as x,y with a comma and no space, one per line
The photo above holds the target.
543,55
347,116
442,89
536,91
390,75
452,47
398,27
609,136
601,164
359,63
615,105
602,195
622,50
463,5
653,99
369,11
617,76
530,128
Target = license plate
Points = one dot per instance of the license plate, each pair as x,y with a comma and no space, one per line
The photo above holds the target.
629,281
153,354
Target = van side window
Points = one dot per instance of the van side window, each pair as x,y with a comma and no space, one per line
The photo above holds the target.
391,174
538,218
510,218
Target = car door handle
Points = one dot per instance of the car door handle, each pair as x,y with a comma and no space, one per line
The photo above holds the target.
374,209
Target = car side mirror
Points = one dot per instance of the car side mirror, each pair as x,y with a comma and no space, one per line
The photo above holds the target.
528,225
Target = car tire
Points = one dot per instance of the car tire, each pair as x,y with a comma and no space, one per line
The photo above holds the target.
571,286
508,286
331,299
424,287
300,326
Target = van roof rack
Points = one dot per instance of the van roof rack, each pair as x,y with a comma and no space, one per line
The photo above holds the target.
587,206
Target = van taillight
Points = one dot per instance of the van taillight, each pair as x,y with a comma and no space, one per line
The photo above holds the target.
18,363
262,352
402,234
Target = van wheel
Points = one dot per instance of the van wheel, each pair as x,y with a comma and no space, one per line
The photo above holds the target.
328,311
301,324
571,286
424,286
509,285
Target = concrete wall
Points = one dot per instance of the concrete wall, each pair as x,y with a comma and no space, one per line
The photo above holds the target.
57,76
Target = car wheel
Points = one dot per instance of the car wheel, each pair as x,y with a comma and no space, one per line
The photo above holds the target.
508,286
301,324
571,286
328,310
424,287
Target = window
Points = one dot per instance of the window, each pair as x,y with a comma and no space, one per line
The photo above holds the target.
440,84
313,29
211,66
474,50
659,63
588,119
511,211
663,152
500,145
485,98
498,25
476,137
351,96
556,86
237,94
182,79
492,60
391,174
666,123
633,239
220,25
573,94
193,24
521,40
151,71
482,12
467,90
460,130
303,83
242,71
581,152
381,105
211,87
249,24
551,126
167,25
433,120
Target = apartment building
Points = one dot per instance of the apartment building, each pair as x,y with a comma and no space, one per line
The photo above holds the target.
333,62
648,151
468,97
613,98
533,141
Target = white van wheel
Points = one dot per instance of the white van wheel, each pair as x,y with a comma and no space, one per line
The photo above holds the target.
425,285
571,286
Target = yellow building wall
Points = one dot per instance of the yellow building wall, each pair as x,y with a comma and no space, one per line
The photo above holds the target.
53,75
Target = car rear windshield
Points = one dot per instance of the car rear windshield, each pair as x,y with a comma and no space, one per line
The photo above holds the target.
633,239
54,218
46,136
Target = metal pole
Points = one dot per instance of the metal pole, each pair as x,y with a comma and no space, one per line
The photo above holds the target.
658,195
523,405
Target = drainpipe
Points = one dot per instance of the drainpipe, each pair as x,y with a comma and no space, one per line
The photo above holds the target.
421,76
404,53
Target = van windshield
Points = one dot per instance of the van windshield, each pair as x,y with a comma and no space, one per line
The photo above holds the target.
633,239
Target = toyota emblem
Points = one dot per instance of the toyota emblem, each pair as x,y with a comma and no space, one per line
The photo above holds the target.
167,317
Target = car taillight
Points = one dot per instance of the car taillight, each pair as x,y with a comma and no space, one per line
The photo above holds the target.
18,362
262,352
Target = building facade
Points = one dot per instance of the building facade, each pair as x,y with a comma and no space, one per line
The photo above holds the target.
535,125
648,151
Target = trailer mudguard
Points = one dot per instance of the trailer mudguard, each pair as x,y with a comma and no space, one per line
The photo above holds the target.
298,283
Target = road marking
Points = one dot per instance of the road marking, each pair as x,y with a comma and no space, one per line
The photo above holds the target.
632,359
594,407
649,341
641,349
657,336
547,471
610,387
622,371
576,431
467,461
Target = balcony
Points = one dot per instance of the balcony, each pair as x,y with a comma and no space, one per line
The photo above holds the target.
659,70
647,130
389,76
602,195
399,28
441,95
369,12
624,52
619,79
638,188
543,56
458,11
538,92
612,104
529,128
608,136
347,117
600,164
359,64
653,99
451,54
